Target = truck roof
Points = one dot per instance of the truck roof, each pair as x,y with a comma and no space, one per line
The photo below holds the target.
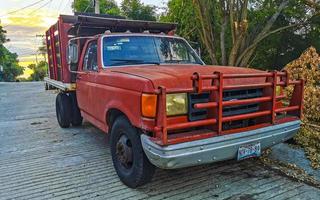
84,24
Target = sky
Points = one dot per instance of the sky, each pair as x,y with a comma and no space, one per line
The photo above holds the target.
23,26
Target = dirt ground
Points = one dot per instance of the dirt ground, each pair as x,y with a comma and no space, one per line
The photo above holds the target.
39,160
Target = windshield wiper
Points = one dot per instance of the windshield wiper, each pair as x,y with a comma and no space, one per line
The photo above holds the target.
133,61
178,61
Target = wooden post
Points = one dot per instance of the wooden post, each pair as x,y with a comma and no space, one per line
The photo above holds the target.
97,6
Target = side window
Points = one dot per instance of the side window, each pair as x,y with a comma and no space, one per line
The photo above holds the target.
90,59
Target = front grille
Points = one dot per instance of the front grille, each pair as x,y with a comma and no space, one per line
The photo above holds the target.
238,95
199,114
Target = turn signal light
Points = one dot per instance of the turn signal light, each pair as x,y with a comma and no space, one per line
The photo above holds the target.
149,105
279,90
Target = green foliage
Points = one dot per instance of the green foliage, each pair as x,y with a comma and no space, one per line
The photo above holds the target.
279,49
110,7
8,61
39,71
2,36
272,52
134,9
183,13
106,7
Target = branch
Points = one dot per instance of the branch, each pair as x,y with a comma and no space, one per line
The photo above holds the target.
224,13
264,31
273,19
244,10
253,45
313,4
231,12
206,26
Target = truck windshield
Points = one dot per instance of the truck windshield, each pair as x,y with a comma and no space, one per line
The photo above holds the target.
133,50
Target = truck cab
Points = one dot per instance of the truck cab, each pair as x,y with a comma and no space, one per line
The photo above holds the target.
161,104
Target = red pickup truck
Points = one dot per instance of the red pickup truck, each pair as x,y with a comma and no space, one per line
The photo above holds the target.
163,107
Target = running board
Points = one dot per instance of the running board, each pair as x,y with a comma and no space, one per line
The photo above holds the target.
59,85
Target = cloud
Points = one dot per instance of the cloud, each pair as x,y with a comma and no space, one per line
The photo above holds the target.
22,28
23,39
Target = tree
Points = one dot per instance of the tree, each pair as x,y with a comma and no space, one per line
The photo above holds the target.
2,36
134,9
106,7
8,60
43,49
39,71
231,30
244,37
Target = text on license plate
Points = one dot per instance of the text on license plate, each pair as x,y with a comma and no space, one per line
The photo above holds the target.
248,151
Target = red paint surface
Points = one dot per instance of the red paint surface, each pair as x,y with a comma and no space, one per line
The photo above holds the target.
57,48
120,88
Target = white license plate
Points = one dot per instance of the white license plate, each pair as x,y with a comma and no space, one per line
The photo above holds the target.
249,151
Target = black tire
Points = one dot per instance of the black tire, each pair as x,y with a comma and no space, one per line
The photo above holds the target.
63,110
76,119
138,170
46,86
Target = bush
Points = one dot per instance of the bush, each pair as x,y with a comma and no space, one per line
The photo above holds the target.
307,67
39,71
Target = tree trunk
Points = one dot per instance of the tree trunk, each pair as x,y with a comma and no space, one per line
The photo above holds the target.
203,12
224,22
239,28
243,58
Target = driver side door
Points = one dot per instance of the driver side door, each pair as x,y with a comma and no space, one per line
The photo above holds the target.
85,87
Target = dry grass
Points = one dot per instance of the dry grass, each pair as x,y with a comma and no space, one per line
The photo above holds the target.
307,67
309,138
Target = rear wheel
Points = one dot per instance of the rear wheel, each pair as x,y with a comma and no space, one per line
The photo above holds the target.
76,119
63,110
129,160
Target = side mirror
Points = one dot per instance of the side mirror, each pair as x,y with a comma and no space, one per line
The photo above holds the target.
72,53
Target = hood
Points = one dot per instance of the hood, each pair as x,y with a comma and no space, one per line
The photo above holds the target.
179,76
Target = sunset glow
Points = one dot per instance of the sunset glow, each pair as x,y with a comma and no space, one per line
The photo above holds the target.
24,25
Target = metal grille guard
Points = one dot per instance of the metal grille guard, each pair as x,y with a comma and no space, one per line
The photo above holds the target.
216,89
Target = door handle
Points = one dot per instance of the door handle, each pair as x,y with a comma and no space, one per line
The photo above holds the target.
79,77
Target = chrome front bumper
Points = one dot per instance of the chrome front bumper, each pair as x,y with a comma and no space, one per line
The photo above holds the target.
216,148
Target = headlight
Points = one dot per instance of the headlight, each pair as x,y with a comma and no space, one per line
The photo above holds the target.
176,104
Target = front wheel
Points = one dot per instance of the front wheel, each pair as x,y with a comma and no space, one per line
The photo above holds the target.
129,160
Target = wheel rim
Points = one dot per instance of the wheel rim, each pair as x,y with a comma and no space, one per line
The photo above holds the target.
124,151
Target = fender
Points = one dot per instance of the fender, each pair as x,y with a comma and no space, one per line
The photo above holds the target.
119,105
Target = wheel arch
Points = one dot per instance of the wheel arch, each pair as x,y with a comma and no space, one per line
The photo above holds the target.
112,114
